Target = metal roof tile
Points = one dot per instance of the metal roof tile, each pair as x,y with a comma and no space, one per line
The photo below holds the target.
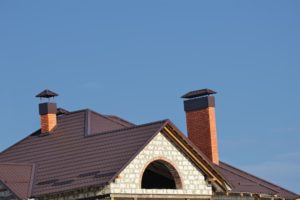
68,152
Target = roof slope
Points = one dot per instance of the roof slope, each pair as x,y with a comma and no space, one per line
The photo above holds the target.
17,177
244,182
75,157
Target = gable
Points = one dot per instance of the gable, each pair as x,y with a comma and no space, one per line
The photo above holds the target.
161,148
15,180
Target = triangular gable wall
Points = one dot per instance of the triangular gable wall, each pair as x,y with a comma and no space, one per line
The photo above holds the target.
161,148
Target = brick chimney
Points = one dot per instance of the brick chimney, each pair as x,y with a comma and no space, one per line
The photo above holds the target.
47,111
201,122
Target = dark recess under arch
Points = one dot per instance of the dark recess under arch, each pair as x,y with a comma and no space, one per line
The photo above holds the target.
160,174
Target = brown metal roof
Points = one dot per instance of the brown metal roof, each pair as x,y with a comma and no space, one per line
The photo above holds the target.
88,149
17,177
247,183
100,123
66,158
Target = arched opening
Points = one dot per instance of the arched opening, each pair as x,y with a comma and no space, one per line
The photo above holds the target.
160,174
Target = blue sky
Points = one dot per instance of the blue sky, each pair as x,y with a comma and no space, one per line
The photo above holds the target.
136,58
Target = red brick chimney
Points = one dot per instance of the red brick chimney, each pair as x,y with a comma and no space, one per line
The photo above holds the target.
201,122
47,111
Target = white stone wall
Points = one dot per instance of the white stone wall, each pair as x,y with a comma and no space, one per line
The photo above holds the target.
129,180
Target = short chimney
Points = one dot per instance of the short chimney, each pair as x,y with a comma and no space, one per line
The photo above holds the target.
201,121
47,111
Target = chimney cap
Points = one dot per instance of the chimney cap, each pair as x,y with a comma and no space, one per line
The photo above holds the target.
46,94
198,93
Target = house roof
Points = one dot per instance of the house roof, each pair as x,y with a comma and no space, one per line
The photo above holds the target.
90,149
85,149
243,182
17,177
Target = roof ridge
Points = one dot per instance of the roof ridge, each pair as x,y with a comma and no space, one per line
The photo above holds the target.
263,182
76,111
101,115
104,116
128,128
121,119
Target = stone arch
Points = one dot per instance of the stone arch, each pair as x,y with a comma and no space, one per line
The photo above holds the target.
160,174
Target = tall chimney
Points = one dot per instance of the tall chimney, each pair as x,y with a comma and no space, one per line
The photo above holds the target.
201,122
47,111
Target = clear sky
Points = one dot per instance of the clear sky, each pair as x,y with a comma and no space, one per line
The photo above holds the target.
136,58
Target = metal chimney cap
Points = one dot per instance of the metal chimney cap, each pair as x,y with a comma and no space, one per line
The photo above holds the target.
198,93
46,94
